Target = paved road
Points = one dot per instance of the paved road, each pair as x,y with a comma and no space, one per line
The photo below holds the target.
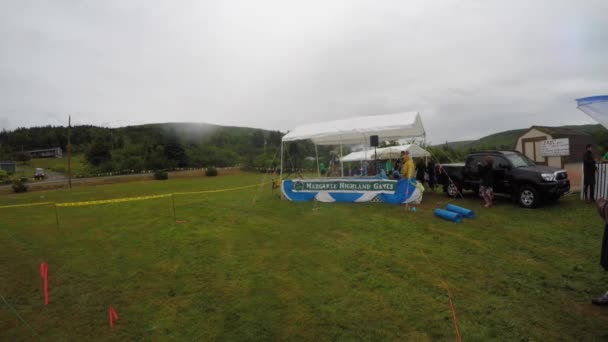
58,178
54,176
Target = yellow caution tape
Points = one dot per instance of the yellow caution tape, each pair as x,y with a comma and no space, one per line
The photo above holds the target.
128,199
25,205
116,200
218,190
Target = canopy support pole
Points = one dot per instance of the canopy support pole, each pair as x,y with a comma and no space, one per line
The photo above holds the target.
366,147
341,163
317,155
281,172
364,156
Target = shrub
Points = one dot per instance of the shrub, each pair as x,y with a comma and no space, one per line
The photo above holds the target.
211,172
19,186
3,174
160,175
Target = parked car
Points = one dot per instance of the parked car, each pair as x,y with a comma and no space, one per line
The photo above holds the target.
514,175
39,173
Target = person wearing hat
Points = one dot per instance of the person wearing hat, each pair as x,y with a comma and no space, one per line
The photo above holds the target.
602,208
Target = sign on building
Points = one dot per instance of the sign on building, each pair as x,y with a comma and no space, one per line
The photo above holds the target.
556,148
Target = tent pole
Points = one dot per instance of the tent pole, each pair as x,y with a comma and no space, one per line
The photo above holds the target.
365,141
281,172
364,157
317,155
341,163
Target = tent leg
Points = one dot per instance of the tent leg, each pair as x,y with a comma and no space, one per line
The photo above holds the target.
341,163
317,155
366,147
281,171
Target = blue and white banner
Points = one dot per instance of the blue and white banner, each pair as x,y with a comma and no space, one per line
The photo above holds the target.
353,190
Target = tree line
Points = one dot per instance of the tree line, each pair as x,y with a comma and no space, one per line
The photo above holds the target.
162,146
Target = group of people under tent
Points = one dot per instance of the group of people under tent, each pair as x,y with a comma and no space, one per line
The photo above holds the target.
424,171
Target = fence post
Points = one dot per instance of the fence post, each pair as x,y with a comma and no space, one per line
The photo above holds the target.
173,203
56,216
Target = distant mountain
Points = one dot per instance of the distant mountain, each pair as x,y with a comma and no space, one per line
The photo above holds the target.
507,139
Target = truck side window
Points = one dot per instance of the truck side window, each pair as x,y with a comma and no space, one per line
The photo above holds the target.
500,163
473,162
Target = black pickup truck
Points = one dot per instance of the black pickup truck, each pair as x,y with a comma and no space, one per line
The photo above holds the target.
514,175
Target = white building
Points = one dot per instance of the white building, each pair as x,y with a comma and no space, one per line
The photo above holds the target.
530,143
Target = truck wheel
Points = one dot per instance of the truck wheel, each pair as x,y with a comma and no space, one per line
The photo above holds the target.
453,189
528,197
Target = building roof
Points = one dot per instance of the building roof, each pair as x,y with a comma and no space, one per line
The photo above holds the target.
560,132
52,149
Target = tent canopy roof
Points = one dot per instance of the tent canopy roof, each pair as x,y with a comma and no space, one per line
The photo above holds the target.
596,107
391,152
358,130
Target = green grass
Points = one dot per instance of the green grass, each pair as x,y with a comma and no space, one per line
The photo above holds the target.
278,270
79,165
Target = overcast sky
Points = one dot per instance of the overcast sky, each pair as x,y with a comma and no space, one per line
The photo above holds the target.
471,68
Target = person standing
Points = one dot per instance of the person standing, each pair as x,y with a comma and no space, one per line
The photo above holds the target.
408,175
589,169
486,173
420,168
605,157
430,170
388,167
407,170
398,164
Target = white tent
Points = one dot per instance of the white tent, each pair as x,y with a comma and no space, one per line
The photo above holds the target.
394,152
358,130
596,107
358,156
391,152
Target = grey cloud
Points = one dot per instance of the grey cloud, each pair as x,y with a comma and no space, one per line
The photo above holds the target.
471,68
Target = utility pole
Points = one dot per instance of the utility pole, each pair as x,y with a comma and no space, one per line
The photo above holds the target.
69,147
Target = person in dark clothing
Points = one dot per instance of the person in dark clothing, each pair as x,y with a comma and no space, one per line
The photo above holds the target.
378,167
398,164
589,168
430,170
420,168
602,208
486,173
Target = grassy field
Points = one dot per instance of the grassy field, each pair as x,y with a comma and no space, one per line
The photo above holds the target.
235,269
